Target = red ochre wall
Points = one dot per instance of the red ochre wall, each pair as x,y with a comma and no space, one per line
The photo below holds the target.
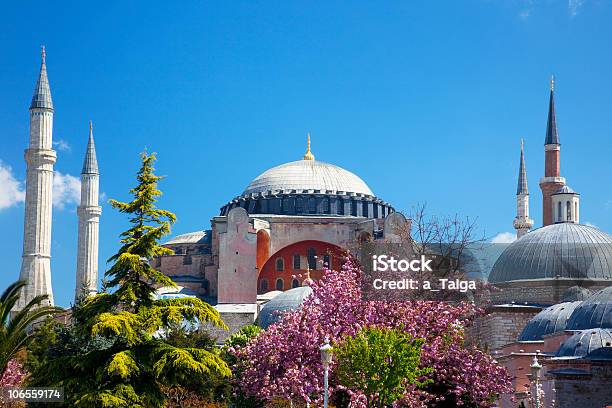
270,274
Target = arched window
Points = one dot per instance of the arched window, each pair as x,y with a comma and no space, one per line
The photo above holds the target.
263,285
280,264
280,285
568,209
327,261
575,211
295,283
312,205
312,258
296,261
325,206
299,205
559,211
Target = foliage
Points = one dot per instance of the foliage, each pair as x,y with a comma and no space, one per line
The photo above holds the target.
114,353
15,330
284,360
238,340
383,363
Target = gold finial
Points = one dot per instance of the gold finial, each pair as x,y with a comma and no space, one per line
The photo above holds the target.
552,83
43,53
309,155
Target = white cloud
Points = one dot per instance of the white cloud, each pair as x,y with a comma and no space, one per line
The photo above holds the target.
525,14
574,5
11,189
504,238
62,145
66,190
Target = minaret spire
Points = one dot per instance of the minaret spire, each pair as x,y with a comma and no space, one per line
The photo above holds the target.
552,180
309,155
522,222
89,220
40,158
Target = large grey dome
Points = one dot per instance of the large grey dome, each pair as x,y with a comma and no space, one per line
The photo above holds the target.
551,320
565,250
287,301
307,175
585,342
594,312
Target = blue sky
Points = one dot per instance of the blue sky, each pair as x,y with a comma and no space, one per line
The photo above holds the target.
426,101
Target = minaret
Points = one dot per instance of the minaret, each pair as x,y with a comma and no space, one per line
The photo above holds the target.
39,157
89,219
552,180
522,222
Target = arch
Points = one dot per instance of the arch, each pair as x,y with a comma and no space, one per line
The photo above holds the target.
295,283
280,285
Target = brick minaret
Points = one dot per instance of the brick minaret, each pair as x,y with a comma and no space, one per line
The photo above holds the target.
39,157
552,180
89,219
522,222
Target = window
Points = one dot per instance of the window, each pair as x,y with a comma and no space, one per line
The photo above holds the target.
295,283
325,206
280,285
559,211
296,261
327,261
280,265
299,205
568,209
263,285
312,258
312,205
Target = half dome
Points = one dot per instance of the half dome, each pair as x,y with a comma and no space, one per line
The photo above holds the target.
594,312
551,320
306,176
585,342
565,250
287,301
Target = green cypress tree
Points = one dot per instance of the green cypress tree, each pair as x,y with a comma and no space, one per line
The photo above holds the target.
116,355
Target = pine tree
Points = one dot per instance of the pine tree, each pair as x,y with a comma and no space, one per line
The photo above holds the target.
116,355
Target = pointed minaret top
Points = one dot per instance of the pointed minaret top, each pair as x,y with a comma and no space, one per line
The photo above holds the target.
552,136
42,92
90,165
309,155
522,179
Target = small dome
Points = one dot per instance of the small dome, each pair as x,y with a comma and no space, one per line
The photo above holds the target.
287,301
197,237
565,250
301,175
565,190
548,321
585,342
576,293
594,312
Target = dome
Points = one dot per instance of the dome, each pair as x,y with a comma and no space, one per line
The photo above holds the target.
565,250
585,342
306,175
594,312
287,301
197,237
548,321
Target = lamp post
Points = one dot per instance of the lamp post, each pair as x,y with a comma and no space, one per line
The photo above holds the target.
536,368
326,357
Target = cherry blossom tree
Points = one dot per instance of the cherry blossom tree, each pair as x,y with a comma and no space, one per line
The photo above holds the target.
284,361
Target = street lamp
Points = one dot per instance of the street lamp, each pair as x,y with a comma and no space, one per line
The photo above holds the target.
326,358
536,368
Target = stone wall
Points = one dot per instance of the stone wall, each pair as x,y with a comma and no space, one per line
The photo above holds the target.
583,384
501,325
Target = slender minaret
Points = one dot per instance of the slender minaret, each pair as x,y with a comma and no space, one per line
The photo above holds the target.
552,180
522,222
39,157
89,219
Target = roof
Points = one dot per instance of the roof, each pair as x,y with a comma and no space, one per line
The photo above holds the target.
564,250
196,237
594,312
90,164
301,175
576,293
42,92
522,179
550,320
585,342
287,301
565,190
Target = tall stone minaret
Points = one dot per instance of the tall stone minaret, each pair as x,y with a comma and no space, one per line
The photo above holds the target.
552,180
89,219
39,157
522,222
